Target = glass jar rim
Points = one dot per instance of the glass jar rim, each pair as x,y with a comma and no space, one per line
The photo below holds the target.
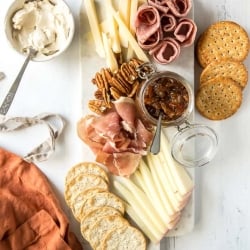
194,145
170,75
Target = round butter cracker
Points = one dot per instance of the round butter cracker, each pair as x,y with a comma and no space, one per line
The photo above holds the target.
86,168
101,199
102,227
81,183
231,69
91,217
223,40
78,200
123,238
219,98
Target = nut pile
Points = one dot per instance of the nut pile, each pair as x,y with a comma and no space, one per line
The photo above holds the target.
111,86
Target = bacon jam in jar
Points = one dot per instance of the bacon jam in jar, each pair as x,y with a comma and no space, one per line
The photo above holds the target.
168,94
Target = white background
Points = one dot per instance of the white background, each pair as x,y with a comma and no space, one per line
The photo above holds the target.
222,187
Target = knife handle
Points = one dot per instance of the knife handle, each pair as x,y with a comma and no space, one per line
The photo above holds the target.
12,92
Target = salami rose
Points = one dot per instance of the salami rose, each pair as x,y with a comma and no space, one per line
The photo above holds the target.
161,5
185,32
147,23
179,8
166,51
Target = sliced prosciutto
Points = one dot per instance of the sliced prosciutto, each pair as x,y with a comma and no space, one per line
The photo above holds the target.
185,32
179,8
117,138
166,51
147,22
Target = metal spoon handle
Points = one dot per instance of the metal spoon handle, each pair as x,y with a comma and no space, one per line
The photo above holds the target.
156,144
11,94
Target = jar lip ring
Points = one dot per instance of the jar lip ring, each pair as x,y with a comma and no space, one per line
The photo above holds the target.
195,136
183,81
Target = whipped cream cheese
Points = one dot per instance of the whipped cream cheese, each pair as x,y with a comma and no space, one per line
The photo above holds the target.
42,25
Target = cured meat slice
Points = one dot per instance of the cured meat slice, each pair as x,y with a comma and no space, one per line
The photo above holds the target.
125,107
185,32
179,8
147,22
152,41
117,138
87,133
161,5
122,164
162,28
166,51
108,127
168,22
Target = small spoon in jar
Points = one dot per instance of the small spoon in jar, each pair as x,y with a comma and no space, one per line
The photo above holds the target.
156,143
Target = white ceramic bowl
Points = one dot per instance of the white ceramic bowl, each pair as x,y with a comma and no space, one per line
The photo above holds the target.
51,32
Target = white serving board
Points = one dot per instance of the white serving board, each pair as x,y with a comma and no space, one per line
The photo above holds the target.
91,63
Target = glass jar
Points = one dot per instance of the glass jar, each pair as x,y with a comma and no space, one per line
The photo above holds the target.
169,94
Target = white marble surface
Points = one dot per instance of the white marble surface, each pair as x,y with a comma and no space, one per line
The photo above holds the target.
222,187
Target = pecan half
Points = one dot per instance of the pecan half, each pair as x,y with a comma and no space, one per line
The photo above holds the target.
97,106
115,93
135,86
98,94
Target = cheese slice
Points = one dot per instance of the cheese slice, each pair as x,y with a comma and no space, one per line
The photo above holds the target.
94,27
133,10
109,54
124,10
154,236
163,205
142,207
112,28
179,174
163,187
132,41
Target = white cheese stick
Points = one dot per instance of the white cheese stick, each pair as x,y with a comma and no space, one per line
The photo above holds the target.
124,10
133,10
137,179
142,224
112,28
132,41
179,173
163,186
109,54
94,26
142,199
166,176
164,209
170,177
141,209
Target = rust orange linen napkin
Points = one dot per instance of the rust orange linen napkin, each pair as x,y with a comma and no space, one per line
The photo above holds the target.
30,213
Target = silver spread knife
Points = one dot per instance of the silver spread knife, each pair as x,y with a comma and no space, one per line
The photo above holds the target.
11,94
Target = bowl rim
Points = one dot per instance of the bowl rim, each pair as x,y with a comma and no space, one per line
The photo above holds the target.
16,5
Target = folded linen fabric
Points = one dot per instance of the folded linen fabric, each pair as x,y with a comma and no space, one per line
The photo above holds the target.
31,216
54,124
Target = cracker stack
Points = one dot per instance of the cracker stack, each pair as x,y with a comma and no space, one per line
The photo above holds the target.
221,50
99,211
